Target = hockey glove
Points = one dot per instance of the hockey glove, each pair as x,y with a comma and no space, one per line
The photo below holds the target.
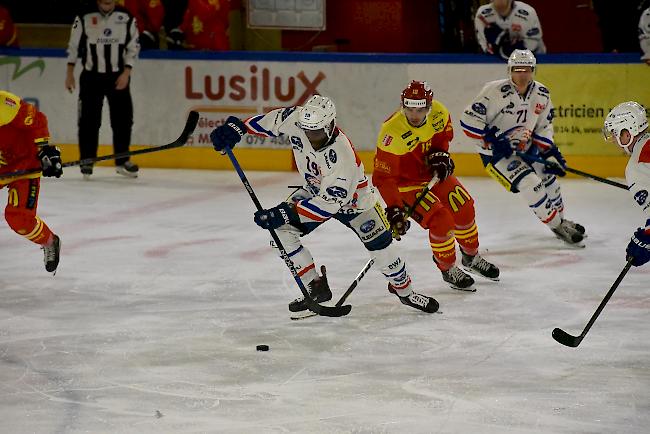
440,164
228,134
175,39
501,147
283,214
639,248
398,220
555,162
494,35
50,157
148,41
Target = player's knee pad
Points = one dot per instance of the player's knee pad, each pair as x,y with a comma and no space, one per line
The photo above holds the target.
531,188
392,266
440,223
289,236
21,221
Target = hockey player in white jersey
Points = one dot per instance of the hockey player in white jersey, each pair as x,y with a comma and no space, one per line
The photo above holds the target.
627,126
334,186
644,36
505,25
511,124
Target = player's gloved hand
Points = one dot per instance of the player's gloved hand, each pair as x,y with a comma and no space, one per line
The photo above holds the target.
273,218
501,146
507,47
148,41
440,164
494,35
555,162
398,220
175,39
639,248
50,157
228,134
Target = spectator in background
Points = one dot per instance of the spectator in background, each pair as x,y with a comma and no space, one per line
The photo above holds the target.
205,25
149,16
644,36
105,37
618,21
174,13
8,32
505,25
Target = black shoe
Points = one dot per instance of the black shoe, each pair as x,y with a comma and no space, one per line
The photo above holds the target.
128,169
477,265
418,301
86,171
458,279
51,254
318,289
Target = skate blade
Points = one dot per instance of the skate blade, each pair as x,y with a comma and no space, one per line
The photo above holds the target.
468,289
476,273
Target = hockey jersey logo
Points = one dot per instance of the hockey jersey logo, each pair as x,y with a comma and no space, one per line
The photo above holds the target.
641,197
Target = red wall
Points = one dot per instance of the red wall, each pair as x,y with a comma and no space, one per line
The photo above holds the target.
391,26
411,26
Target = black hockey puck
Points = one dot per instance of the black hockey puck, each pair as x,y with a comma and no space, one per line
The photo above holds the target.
262,348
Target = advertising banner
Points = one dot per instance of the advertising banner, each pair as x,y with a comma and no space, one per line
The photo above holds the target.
365,94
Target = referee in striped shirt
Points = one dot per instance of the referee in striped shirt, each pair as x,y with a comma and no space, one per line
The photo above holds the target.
105,38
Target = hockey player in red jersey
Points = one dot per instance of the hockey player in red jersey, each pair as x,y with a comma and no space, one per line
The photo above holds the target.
205,25
24,140
627,126
149,15
412,147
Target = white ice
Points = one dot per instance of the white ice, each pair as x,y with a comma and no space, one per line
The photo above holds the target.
166,286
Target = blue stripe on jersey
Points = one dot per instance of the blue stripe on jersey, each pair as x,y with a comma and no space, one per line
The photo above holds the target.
472,129
543,139
253,123
295,251
310,206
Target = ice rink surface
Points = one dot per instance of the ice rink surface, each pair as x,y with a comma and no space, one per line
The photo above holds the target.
166,286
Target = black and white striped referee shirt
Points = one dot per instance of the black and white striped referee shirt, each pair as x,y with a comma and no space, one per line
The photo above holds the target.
105,43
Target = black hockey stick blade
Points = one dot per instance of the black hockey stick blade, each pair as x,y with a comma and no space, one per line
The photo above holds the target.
566,339
331,311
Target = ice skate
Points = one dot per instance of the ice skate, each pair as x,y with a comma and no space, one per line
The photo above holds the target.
458,279
417,301
573,226
479,266
128,169
318,289
51,254
568,235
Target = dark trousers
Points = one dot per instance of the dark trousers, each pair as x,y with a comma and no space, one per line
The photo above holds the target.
93,87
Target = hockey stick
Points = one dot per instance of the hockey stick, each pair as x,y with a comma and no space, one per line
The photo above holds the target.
190,125
418,199
574,171
346,294
573,341
311,304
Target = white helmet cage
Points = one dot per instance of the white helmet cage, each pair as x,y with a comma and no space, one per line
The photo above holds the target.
630,116
521,58
318,113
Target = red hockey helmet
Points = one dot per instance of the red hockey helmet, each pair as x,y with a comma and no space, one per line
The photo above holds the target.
417,94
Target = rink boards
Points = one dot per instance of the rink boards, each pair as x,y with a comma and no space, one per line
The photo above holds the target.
365,88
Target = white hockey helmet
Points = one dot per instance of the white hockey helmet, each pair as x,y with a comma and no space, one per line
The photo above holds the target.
521,58
318,113
630,116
